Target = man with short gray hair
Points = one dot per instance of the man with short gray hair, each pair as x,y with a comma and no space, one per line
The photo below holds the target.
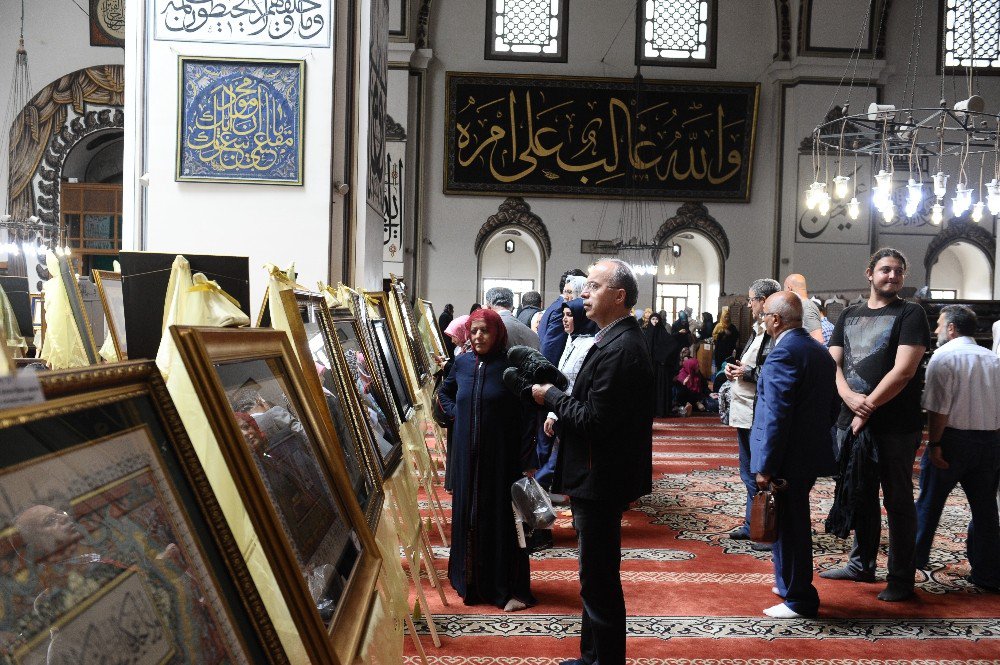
742,374
606,432
963,445
501,300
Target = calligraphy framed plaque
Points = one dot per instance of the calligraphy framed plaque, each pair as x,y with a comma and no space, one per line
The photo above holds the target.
597,137
240,121
107,23
112,544
264,23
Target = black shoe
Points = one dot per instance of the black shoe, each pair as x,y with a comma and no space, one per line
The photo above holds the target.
984,587
762,547
540,539
893,594
846,573
738,534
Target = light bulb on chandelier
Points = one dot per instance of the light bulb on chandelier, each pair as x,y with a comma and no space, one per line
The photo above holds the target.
940,184
937,213
993,196
854,208
888,213
977,212
914,195
841,186
962,200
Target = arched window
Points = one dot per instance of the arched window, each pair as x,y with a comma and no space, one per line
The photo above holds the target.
962,272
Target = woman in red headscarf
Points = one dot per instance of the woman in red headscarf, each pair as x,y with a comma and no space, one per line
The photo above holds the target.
493,445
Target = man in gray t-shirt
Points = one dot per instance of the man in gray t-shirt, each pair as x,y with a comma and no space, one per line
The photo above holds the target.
811,318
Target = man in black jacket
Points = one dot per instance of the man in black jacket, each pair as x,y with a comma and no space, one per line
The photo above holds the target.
606,433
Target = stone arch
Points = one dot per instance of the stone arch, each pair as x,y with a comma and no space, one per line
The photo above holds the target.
961,230
694,216
514,211
514,214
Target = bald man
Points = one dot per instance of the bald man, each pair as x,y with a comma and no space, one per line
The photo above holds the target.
812,320
790,443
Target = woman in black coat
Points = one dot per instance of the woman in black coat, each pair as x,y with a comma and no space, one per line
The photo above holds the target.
664,350
493,445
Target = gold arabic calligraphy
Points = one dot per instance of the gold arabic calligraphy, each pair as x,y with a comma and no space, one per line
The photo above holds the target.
240,124
518,133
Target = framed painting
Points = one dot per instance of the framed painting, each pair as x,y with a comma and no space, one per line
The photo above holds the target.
364,311
389,351
320,367
406,330
430,331
107,23
299,498
67,274
240,121
381,428
112,545
109,288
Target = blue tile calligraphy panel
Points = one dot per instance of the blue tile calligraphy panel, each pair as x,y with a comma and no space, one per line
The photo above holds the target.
240,121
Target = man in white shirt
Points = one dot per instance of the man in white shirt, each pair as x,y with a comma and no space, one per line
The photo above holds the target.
962,382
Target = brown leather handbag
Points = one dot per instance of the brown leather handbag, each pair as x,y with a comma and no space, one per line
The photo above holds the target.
764,512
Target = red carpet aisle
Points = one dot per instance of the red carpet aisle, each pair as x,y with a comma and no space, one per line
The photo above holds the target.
695,596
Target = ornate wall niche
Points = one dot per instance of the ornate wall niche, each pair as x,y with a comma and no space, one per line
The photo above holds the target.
961,230
514,211
694,216
62,114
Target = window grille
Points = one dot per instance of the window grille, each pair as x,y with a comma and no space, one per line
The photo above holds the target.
676,33
530,30
971,34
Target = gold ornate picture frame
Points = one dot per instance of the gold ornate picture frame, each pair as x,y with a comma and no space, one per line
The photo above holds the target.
423,365
305,312
430,331
67,274
270,432
109,288
378,422
110,526
391,350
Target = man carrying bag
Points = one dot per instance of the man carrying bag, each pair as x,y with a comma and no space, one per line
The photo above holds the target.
790,441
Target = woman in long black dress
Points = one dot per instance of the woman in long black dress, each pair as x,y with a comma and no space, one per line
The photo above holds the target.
493,445
664,350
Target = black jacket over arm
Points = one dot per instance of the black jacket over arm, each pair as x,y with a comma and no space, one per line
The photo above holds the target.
607,423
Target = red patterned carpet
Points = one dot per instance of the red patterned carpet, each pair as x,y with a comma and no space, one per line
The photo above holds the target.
694,596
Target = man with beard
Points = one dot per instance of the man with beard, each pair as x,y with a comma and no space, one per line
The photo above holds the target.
878,345
963,445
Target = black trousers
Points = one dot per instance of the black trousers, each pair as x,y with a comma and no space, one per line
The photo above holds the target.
599,533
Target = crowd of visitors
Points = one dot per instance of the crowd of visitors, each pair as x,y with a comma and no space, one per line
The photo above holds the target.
807,397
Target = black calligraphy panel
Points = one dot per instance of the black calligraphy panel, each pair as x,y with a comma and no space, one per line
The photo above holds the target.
558,136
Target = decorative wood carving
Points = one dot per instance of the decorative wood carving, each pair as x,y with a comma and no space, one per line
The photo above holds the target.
784,32
393,130
514,211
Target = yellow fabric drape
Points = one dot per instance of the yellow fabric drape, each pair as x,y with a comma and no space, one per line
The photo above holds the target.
62,347
9,330
193,300
6,362
177,286
278,281
383,640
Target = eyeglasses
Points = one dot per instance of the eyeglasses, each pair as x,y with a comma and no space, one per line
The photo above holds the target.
770,314
750,300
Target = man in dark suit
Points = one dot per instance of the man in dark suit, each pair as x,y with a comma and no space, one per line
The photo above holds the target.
606,433
790,440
